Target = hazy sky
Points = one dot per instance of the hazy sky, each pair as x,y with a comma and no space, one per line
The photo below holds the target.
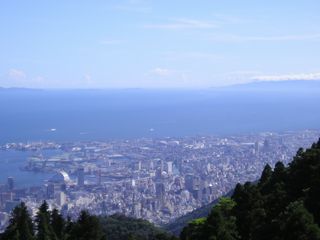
164,43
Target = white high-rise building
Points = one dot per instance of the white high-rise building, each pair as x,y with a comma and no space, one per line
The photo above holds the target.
61,198
169,168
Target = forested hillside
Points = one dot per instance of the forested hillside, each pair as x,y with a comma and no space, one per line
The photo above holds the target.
50,225
283,204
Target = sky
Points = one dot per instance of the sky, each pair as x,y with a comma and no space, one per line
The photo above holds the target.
157,44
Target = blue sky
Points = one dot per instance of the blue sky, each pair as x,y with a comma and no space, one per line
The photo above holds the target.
157,44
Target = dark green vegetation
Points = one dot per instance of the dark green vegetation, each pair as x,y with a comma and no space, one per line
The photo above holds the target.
119,227
283,204
177,225
50,225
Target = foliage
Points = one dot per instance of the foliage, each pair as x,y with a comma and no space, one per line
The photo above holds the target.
43,226
87,227
220,224
20,226
50,225
118,227
175,227
284,204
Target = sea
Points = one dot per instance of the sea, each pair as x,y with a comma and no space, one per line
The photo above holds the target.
84,115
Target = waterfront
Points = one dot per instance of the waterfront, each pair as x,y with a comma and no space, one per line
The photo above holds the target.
158,179
12,163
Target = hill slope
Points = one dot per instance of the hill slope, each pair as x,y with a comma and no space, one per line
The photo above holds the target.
283,204
175,227
119,227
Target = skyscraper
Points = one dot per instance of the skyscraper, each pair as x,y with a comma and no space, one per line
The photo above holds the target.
169,168
257,149
160,192
10,183
81,177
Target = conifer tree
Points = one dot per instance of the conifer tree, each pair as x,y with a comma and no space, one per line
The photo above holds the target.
297,223
87,227
20,226
44,229
58,223
221,224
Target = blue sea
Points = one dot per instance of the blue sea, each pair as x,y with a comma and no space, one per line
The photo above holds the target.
78,115
66,115
12,163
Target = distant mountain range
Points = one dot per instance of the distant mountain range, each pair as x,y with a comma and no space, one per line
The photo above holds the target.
257,85
288,85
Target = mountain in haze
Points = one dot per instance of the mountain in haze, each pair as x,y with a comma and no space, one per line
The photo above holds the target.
288,85
256,85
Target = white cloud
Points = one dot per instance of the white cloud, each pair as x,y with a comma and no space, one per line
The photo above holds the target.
162,72
169,75
301,76
16,74
184,23
239,38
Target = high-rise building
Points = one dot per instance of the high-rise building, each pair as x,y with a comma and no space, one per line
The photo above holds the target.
60,198
158,174
50,189
151,165
169,168
257,149
137,166
81,177
194,185
160,192
188,179
10,183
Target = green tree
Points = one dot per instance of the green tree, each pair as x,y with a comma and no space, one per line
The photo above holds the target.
265,176
298,223
44,228
87,227
195,230
58,223
221,224
20,226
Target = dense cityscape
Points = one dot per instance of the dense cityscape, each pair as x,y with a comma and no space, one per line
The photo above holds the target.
154,179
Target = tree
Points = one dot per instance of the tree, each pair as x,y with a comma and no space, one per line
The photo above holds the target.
266,175
20,226
58,223
195,230
298,223
44,229
221,224
87,227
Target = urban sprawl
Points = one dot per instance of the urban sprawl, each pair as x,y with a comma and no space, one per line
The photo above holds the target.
156,179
